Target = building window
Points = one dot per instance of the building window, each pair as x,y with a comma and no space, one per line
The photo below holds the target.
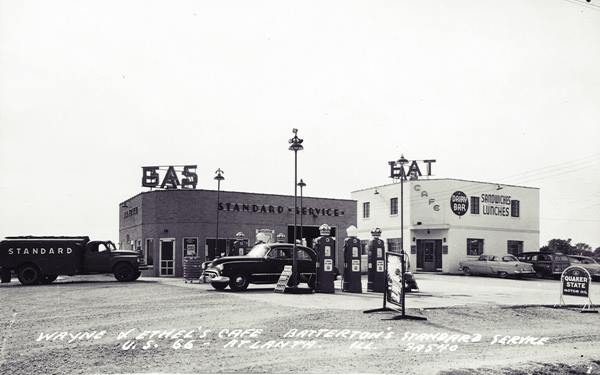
148,252
515,210
394,244
394,206
475,205
366,209
514,247
474,246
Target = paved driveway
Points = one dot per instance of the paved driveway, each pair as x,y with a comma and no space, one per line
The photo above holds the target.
435,290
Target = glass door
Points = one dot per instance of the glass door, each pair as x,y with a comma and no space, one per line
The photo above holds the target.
167,257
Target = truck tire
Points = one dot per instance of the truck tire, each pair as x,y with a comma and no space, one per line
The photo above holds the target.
29,274
124,272
5,275
48,279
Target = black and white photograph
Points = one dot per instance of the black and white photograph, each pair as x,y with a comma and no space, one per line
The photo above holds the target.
300,187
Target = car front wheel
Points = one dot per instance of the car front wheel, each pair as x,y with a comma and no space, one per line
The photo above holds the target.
219,286
503,274
239,282
467,271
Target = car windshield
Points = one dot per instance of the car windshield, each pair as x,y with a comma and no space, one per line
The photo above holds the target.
259,251
111,246
560,258
509,258
574,260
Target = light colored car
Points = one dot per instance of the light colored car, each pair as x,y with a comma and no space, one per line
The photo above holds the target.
496,265
588,263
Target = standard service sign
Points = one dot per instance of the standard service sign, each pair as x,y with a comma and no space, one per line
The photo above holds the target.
576,282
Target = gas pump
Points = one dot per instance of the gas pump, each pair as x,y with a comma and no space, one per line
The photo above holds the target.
324,246
352,278
240,245
376,271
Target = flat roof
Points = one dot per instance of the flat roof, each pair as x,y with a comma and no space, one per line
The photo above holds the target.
235,192
446,179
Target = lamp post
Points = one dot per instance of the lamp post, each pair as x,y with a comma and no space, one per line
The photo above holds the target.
402,161
219,177
295,145
302,184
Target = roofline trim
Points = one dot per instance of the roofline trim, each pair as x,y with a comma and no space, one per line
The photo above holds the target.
446,179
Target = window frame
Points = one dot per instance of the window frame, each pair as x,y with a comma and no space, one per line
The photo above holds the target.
394,206
519,246
515,208
366,210
475,205
480,246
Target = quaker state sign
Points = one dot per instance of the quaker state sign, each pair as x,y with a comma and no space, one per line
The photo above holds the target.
576,282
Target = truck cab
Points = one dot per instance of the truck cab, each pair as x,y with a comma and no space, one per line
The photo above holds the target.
39,260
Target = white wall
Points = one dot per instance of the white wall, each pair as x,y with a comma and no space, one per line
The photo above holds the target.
427,206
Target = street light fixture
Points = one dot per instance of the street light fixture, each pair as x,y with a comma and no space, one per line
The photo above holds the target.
219,177
302,184
295,145
403,161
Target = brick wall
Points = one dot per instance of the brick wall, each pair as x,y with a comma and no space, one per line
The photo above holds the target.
192,213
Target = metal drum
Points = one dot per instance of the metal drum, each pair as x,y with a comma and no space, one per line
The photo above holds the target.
192,269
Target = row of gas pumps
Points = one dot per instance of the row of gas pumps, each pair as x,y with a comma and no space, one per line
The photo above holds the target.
324,247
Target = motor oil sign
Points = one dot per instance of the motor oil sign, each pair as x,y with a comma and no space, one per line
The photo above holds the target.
575,282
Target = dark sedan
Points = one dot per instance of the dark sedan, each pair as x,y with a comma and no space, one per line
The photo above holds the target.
262,265
546,264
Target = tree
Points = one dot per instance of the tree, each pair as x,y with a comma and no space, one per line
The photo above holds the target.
556,245
597,252
583,249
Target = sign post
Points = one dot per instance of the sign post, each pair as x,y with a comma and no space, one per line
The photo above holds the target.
575,281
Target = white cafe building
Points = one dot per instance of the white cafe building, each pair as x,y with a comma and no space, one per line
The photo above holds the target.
448,220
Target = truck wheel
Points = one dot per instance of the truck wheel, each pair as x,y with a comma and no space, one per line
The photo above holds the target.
239,282
124,272
48,279
5,275
28,274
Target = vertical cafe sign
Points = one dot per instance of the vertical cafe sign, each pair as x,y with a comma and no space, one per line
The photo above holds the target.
170,178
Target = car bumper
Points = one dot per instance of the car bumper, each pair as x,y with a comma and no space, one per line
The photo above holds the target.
209,276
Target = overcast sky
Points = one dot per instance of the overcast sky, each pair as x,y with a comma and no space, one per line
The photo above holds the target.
504,91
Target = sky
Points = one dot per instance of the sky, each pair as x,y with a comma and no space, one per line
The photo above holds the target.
505,91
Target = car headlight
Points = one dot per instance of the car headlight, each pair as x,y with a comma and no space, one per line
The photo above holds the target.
219,267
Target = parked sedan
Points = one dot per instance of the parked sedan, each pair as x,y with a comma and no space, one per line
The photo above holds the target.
494,265
588,263
262,265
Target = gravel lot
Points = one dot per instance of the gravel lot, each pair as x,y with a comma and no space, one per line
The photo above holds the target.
229,332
